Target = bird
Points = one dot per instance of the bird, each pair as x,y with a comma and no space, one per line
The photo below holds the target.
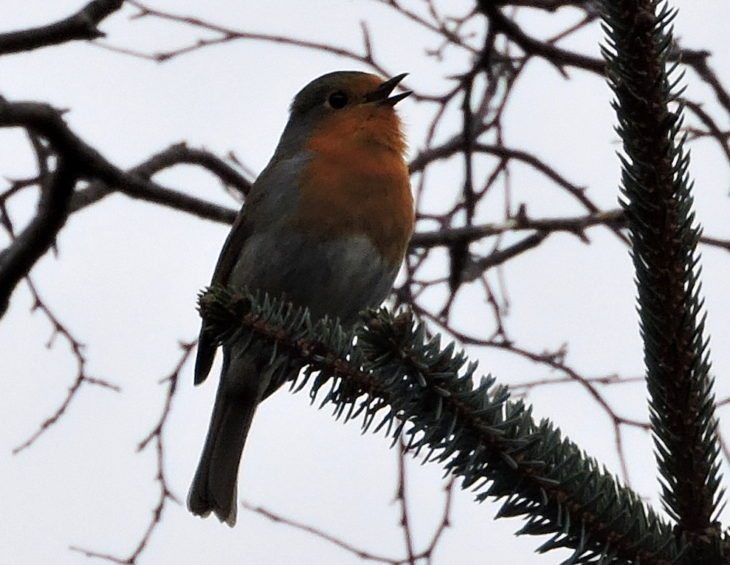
325,225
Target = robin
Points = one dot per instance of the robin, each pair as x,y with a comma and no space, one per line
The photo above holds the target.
326,225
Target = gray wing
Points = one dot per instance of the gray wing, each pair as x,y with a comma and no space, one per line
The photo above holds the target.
272,196
235,240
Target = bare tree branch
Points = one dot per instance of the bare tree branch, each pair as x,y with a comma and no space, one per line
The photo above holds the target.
82,378
80,26
361,553
178,154
560,58
575,225
155,437
48,123
31,244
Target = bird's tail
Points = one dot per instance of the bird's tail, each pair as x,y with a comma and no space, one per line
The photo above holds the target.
214,486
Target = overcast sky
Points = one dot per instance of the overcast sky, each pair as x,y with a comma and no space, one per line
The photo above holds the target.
127,275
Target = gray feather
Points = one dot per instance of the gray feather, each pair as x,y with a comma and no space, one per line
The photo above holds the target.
239,393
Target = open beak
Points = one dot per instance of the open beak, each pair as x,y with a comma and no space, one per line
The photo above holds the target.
381,95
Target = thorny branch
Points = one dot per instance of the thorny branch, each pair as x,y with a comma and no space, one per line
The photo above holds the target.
82,378
156,438
415,557
402,497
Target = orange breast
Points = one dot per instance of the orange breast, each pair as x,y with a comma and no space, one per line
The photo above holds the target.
357,183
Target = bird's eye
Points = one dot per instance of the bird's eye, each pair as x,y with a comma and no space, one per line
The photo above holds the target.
337,100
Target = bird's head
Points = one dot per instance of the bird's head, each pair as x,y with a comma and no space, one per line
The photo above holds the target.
346,107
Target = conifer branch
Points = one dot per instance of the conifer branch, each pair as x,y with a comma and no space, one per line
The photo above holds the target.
658,203
398,381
